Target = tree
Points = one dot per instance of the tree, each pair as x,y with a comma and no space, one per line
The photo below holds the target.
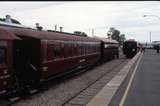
114,34
122,38
2,19
79,33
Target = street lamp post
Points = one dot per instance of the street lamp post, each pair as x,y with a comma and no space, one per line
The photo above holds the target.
151,16
150,36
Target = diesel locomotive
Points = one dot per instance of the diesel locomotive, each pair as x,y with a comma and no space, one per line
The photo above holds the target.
131,47
29,57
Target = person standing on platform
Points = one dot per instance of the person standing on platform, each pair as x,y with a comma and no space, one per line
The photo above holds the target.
157,48
143,49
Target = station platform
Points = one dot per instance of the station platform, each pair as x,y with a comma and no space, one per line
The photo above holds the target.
137,84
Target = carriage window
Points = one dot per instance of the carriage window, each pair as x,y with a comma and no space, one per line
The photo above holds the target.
62,51
75,50
57,52
2,55
50,55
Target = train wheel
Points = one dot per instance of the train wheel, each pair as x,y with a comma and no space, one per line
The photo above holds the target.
28,83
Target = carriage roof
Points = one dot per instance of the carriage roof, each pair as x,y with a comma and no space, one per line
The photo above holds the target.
105,40
7,35
22,31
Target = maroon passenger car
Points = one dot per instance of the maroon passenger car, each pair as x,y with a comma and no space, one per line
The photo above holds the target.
39,55
7,80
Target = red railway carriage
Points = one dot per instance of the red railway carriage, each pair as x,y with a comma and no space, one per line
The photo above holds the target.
109,49
6,61
39,55
70,52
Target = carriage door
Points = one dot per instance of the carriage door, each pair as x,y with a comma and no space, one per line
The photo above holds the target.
27,59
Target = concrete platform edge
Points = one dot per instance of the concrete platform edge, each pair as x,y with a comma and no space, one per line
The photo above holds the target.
105,95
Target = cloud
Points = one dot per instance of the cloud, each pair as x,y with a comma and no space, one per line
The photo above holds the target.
127,16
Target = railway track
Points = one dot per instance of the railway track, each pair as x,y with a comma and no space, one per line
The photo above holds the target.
80,99
63,92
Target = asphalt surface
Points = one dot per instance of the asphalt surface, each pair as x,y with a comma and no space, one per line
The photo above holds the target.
145,86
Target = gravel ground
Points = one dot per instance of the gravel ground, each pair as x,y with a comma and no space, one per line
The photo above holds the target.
74,90
85,96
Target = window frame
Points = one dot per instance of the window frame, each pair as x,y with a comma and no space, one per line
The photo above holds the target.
4,57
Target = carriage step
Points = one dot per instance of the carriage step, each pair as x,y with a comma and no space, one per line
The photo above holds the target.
14,99
33,91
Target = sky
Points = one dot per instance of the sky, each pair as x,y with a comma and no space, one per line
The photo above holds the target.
126,16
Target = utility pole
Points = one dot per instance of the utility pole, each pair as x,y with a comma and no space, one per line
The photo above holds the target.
60,29
55,27
150,36
92,32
